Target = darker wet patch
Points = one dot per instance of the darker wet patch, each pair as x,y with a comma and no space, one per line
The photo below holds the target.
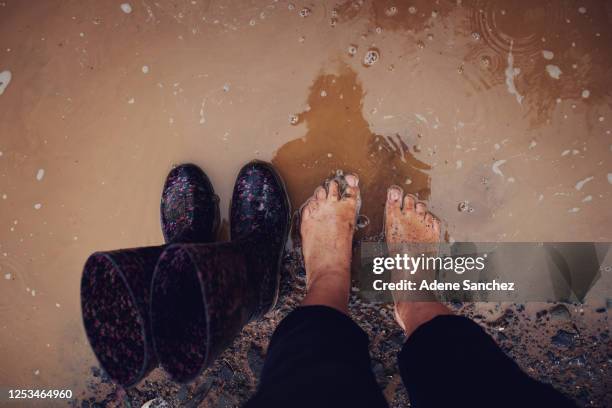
339,137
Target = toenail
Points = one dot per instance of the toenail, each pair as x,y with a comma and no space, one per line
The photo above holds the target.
393,195
352,180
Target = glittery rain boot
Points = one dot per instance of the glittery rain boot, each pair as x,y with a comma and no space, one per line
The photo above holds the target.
115,286
202,295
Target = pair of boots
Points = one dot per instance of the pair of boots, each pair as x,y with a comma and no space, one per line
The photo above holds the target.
181,304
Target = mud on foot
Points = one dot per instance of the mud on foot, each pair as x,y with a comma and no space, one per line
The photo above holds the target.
327,226
408,221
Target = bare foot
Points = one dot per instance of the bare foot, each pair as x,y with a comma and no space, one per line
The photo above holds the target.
407,221
327,227
410,222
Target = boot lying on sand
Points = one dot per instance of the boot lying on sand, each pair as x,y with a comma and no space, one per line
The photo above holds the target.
115,286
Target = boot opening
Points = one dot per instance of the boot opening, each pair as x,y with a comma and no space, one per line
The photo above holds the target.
112,320
179,316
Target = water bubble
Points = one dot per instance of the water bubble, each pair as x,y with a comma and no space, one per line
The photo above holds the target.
352,50
290,6
586,93
305,12
582,10
464,206
362,221
548,54
252,22
378,30
391,11
145,69
412,10
126,8
430,37
485,61
371,57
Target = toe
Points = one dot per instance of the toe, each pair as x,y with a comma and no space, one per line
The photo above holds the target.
421,209
332,191
307,208
351,192
394,198
409,203
320,193
429,219
436,226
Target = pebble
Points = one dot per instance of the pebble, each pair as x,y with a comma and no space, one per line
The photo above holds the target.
563,338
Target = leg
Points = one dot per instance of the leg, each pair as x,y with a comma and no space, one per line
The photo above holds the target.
318,357
437,340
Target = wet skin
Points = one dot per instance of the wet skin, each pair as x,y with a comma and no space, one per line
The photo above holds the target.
327,228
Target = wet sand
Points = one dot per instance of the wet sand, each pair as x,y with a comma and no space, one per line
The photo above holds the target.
498,115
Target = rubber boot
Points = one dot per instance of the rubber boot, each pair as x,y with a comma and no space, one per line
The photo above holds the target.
115,286
202,295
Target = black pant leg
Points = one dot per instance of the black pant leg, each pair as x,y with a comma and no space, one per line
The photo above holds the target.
318,357
451,361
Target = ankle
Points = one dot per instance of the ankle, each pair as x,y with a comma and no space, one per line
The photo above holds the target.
328,288
411,315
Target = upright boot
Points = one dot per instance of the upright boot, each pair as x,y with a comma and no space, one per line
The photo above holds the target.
115,286
202,295
260,220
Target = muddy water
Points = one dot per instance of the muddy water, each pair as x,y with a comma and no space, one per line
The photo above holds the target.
497,114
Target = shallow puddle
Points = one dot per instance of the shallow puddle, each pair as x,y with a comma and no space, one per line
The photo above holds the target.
498,114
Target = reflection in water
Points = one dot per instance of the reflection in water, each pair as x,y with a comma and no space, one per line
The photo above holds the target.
339,138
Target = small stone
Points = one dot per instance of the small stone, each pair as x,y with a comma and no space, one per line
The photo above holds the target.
559,312
563,338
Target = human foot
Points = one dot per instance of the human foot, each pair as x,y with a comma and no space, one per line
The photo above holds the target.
404,224
410,222
327,226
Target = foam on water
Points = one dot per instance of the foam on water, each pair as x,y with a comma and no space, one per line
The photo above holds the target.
496,167
5,80
554,71
512,73
581,183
